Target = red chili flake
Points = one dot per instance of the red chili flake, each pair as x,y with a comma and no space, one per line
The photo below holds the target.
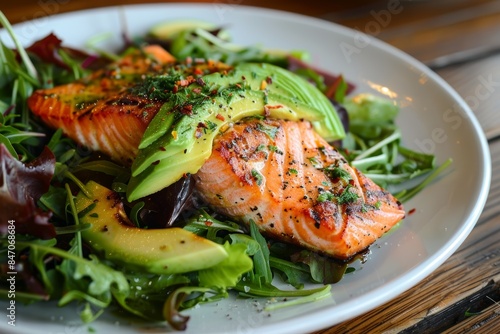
214,92
243,77
105,83
208,223
156,163
237,85
162,148
197,90
267,108
220,117
412,211
187,109
183,82
269,80
202,125
198,71
175,89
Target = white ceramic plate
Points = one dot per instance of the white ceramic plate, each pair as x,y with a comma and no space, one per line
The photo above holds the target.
433,118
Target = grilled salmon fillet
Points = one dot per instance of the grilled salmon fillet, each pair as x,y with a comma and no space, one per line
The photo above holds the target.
296,188
102,111
98,111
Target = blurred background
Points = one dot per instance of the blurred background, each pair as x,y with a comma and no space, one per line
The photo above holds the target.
459,39
425,29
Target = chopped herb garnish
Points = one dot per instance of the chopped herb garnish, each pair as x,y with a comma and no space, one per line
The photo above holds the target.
257,176
338,173
347,196
269,130
211,126
368,207
315,162
275,149
325,196
261,148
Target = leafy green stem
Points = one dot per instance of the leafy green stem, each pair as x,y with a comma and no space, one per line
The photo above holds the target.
394,136
321,294
78,236
407,195
22,52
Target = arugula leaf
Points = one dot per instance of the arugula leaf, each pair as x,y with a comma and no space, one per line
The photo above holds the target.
262,271
54,200
75,278
203,224
293,273
200,43
323,269
252,246
148,293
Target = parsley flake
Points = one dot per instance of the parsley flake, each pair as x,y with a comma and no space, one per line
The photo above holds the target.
338,173
257,176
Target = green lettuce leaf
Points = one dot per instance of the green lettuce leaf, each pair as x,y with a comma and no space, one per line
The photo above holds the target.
228,272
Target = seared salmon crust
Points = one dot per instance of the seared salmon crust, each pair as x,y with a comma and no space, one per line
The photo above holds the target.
295,187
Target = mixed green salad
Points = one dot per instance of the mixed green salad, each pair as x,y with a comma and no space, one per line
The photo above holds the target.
49,185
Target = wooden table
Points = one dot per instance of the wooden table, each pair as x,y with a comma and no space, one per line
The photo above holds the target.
435,33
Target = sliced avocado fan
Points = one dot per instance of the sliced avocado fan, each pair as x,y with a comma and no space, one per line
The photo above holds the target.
179,138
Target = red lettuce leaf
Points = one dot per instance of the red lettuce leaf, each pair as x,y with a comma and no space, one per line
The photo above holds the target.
330,79
47,47
21,186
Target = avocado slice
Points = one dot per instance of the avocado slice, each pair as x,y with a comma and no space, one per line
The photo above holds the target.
158,251
280,81
177,143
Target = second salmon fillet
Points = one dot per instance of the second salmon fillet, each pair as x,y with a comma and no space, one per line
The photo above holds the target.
296,188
